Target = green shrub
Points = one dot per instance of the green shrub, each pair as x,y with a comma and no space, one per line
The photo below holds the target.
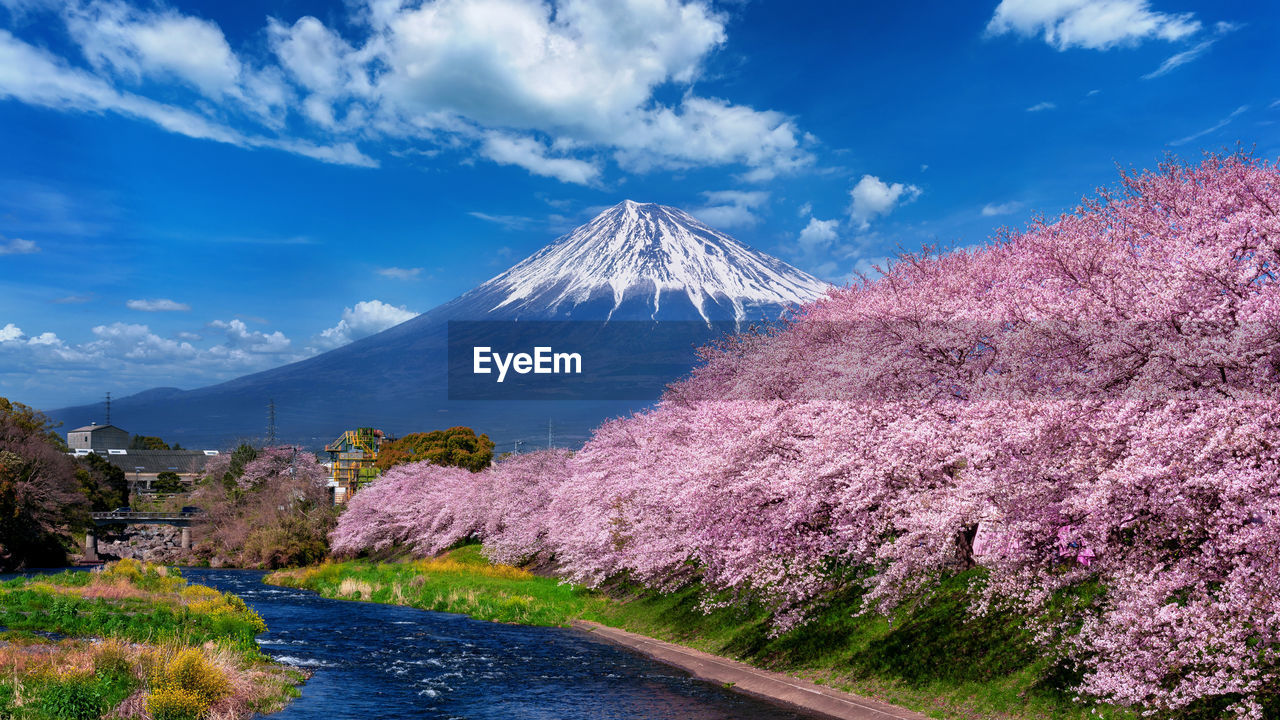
168,483
74,697
64,610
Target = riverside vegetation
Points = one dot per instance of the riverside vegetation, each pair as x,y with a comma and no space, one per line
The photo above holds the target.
45,494
264,508
132,640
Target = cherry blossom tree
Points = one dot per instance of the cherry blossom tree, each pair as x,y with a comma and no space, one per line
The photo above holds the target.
275,511
420,505
516,498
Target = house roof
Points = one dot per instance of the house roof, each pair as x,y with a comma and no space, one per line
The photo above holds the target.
158,461
94,428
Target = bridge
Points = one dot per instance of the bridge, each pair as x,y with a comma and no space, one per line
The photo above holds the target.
177,519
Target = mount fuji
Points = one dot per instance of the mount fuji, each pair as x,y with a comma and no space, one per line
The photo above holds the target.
649,261
633,262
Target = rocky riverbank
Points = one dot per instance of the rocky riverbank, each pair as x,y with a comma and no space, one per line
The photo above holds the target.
148,543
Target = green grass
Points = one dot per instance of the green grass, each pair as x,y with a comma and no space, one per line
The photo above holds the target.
934,658
113,631
461,582
81,697
50,603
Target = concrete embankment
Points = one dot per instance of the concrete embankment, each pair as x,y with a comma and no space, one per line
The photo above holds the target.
776,687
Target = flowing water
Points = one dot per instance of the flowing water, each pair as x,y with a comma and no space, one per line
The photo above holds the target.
384,662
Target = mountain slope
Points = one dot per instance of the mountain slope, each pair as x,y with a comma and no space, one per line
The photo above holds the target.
632,262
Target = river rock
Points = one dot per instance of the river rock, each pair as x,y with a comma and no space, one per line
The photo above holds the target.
149,543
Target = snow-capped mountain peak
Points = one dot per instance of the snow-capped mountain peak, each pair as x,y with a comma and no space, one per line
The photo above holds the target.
641,259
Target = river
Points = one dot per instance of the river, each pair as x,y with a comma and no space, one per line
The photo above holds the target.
385,662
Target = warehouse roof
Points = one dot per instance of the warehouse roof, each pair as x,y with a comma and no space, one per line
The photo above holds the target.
158,461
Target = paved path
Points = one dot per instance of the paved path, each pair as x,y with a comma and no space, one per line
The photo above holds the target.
773,686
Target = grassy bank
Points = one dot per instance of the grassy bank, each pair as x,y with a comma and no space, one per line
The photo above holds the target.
132,640
934,658
460,582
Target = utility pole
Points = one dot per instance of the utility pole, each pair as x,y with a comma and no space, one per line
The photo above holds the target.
271,423
108,408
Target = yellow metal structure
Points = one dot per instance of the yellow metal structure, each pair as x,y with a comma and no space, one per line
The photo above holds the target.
353,457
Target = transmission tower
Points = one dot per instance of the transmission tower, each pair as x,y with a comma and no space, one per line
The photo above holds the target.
108,408
271,423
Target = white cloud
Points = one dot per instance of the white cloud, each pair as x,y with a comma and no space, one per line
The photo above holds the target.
326,68
1005,208
528,153
1041,106
366,318
576,69
162,45
45,338
731,208
1090,24
510,222
241,338
823,248
551,86
135,343
157,305
134,356
34,76
818,235
1177,60
709,131
17,246
136,44
317,57
872,197
399,273
1214,128
24,356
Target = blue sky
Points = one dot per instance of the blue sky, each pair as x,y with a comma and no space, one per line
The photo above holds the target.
192,191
